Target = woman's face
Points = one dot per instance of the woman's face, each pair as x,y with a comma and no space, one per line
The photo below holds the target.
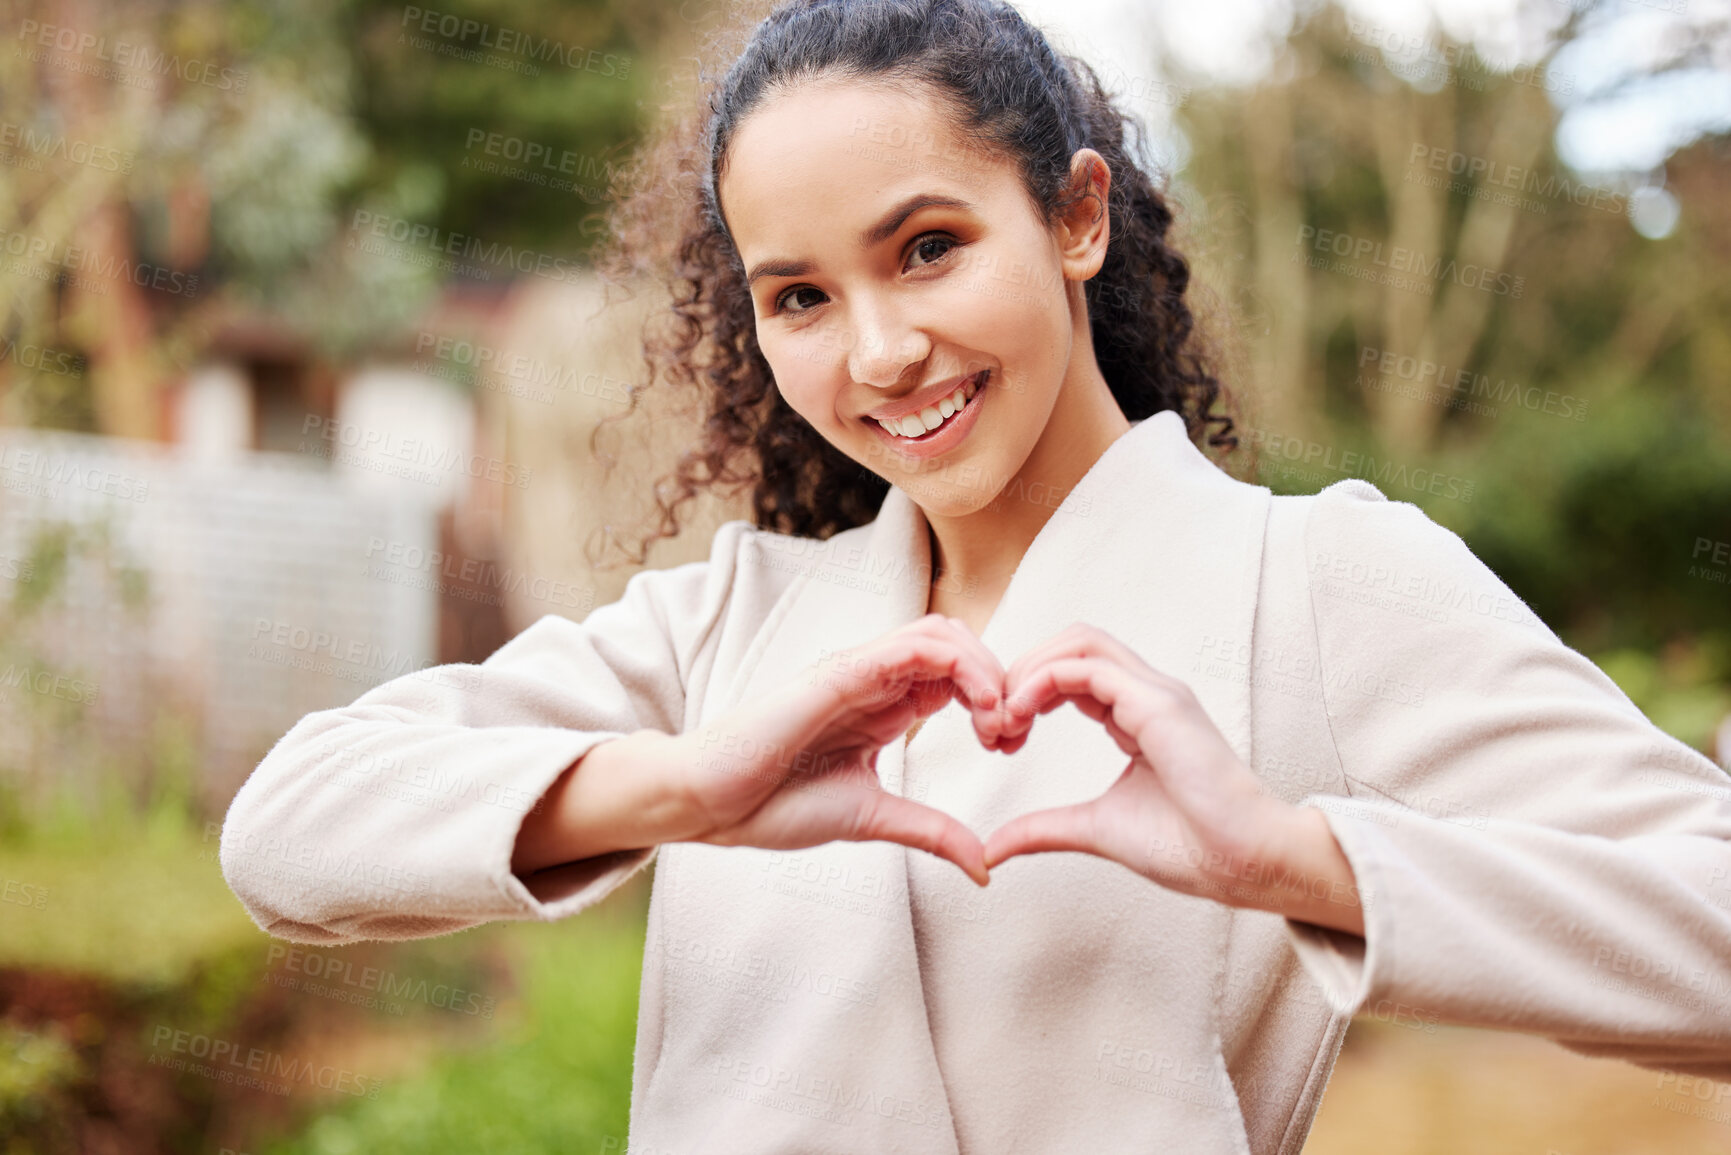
891,266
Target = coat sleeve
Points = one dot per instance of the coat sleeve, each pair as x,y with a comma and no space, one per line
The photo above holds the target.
1533,853
395,817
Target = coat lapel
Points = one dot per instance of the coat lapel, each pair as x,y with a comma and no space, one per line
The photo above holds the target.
1159,548
1102,987
790,981
1156,546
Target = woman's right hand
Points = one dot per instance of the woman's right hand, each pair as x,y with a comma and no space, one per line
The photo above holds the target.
798,767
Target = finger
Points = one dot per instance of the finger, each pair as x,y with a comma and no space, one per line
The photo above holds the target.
935,653
1135,708
1027,660
1122,703
1096,685
987,661
1003,731
984,694
929,695
930,655
1061,828
1077,641
1080,641
883,674
979,688
1034,695
1019,710
987,711
892,818
1072,643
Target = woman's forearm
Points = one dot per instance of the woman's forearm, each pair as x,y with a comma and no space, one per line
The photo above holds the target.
621,795
1326,891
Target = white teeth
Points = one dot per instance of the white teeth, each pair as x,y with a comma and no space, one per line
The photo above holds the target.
932,416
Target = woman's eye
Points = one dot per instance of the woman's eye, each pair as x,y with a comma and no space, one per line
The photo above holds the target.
923,245
781,301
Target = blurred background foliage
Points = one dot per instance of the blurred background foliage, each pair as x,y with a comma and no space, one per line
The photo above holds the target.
1596,521
251,183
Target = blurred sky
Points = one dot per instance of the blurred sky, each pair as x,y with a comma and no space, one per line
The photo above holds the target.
1615,122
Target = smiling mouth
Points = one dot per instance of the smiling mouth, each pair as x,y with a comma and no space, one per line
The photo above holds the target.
931,419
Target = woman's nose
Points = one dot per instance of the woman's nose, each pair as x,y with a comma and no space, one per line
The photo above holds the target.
882,348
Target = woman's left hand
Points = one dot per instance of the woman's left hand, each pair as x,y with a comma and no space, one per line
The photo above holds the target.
1187,812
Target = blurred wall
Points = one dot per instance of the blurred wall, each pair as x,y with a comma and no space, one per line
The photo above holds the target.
586,349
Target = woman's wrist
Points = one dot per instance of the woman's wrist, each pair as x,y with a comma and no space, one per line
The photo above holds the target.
1305,876
623,794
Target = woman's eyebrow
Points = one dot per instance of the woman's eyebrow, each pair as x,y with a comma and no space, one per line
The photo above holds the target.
885,228
893,219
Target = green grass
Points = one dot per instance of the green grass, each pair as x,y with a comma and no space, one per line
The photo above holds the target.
555,1078
1673,689
134,897
102,888
129,912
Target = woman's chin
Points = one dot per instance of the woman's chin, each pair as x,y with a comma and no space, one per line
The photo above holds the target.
941,497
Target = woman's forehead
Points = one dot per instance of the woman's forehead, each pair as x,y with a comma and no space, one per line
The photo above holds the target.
856,108
835,149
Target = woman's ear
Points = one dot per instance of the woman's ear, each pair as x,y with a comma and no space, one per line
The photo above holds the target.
1085,226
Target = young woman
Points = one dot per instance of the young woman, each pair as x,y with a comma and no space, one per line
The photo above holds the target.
1322,761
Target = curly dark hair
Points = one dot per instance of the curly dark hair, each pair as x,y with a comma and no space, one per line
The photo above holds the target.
1002,87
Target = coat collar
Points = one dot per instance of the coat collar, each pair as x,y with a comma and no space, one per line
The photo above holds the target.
1155,544
1161,549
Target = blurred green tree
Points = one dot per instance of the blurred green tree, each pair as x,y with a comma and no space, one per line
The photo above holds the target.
1411,273
168,167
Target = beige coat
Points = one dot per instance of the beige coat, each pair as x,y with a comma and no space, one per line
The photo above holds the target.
1536,856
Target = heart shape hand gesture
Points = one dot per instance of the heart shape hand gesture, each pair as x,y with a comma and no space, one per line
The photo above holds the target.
798,768
1186,812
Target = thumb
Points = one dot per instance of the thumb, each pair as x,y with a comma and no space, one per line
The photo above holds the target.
1061,828
892,818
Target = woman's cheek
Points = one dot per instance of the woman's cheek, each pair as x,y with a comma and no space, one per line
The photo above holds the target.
810,399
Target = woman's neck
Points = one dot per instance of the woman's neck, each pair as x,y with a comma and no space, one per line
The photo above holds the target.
973,555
